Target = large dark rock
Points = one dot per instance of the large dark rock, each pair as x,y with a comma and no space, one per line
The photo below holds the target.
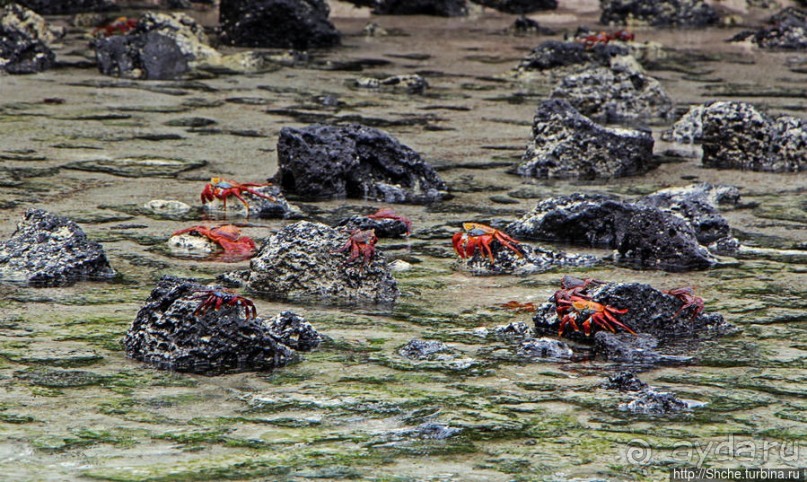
23,41
441,8
50,250
650,313
161,46
169,335
555,53
519,6
567,144
67,7
304,262
327,162
615,93
735,135
788,32
643,236
297,24
659,13
697,204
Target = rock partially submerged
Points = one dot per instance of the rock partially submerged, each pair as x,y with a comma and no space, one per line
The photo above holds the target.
659,13
651,313
24,41
567,144
618,92
544,348
533,259
440,8
788,32
297,24
427,350
168,334
644,399
50,250
735,135
383,227
160,47
643,236
328,162
303,262
411,83
624,382
519,6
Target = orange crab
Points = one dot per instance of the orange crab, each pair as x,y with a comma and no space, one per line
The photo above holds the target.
590,41
387,213
518,306
228,237
216,298
688,298
360,243
480,236
221,189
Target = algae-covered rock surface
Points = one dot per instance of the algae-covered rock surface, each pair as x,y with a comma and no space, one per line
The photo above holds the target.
451,380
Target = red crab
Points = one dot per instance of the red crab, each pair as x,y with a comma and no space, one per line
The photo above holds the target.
221,189
573,304
605,37
360,243
216,298
119,26
387,213
480,236
227,236
687,296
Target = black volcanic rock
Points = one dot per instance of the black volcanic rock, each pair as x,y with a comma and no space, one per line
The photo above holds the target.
297,24
332,162
659,13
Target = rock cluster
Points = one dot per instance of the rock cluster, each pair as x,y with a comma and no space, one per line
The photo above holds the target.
328,162
50,250
170,333
297,24
567,144
24,40
788,32
305,261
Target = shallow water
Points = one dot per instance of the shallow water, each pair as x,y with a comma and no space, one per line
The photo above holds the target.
73,407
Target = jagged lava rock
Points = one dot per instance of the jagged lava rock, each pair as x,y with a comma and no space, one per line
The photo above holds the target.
659,13
697,204
427,350
567,144
303,262
544,348
651,402
66,7
624,382
50,250
297,24
384,228
650,312
440,8
24,41
615,93
327,162
167,334
519,6
738,136
643,236
789,31
552,54
160,47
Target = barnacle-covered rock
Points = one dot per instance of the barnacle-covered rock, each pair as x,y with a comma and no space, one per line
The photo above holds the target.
171,334
305,261
50,250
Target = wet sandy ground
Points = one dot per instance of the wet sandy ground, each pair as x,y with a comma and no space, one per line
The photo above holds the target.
73,407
